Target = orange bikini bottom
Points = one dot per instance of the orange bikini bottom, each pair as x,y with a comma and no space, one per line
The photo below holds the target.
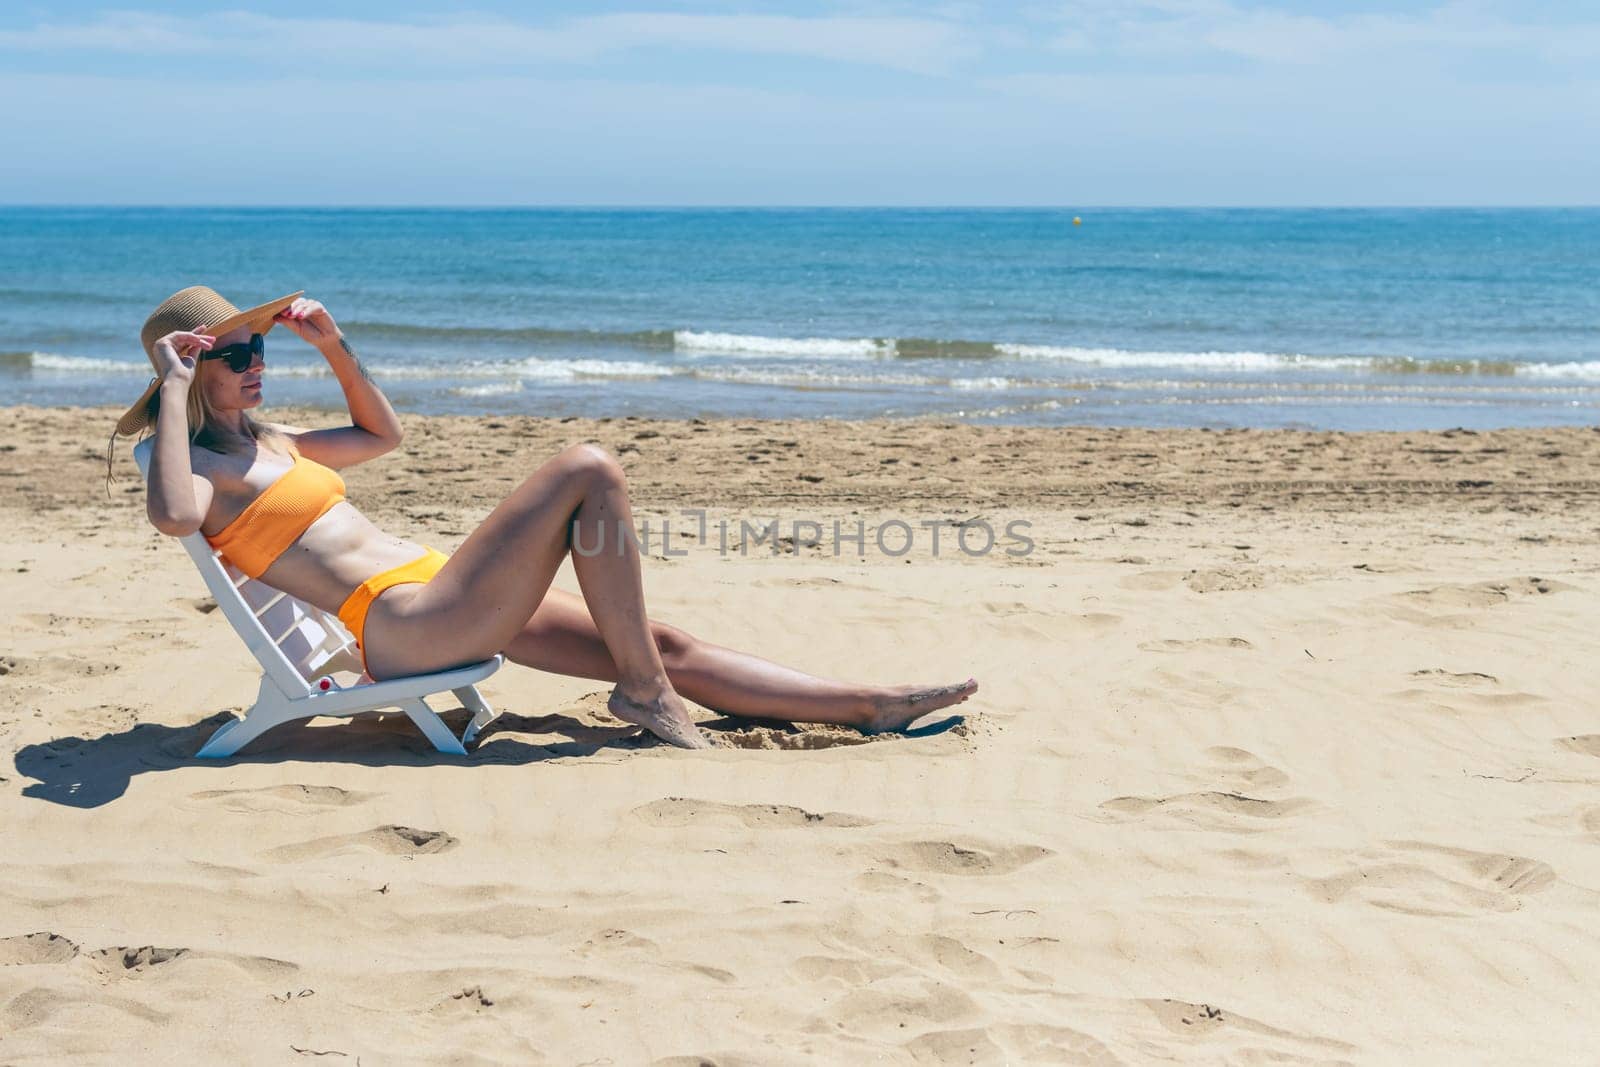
353,612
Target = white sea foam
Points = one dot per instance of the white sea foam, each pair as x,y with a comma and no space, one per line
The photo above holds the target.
992,382
755,344
531,369
1435,372
1235,361
1585,370
1002,412
810,377
51,361
80,364
490,389
298,370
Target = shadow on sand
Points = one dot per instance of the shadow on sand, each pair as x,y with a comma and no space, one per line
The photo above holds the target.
88,772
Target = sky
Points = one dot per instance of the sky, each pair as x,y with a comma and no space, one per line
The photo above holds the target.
1064,103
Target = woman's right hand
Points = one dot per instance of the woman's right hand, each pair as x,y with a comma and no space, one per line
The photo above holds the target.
176,353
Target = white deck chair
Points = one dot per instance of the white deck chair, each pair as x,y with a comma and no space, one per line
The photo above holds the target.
310,664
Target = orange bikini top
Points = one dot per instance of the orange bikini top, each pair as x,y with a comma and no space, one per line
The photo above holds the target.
275,520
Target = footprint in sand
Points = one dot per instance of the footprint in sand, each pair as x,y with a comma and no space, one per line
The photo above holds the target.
853,972
932,952
135,960
684,811
55,623
42,947
387,840
125,960
1002,609
790,738
1586,744
1432,880
469,1001
1209,810
1480,689
1243,769
874,955
947,857
970,1045
1225,580
1456,680
280,799
1195,644
1198,1022
876,881
616,939
1456,597
51,669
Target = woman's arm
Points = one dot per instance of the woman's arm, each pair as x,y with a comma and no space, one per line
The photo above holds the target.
178,499
374,427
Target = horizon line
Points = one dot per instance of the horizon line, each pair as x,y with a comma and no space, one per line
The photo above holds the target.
584,206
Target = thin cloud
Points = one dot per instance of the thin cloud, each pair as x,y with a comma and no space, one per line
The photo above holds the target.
1262,34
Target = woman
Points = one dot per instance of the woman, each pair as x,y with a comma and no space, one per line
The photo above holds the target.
268,498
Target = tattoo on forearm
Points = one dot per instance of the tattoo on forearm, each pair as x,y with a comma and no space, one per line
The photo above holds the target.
354,359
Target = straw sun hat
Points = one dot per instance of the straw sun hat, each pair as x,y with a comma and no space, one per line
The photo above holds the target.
195,307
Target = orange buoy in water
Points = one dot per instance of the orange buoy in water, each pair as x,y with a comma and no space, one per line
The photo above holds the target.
1076,221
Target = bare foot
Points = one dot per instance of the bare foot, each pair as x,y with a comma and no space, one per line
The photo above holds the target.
665,716
899,707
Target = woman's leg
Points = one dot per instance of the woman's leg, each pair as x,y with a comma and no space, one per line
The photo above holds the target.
562,637
481,600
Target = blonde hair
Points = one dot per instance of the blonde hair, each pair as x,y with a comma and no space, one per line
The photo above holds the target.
201,421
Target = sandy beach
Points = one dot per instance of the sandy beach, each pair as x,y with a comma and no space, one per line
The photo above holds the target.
1286,752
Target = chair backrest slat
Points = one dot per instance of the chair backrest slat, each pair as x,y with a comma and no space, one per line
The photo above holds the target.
309,641
268,606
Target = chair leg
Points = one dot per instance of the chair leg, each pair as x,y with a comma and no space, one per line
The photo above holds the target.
432,727
482,714
270,709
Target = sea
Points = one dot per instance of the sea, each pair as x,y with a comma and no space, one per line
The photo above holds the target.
1339,319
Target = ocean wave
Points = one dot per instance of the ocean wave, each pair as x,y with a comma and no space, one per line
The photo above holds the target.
540,335
934,348
826,354
490,389
1266,362
1216,361
761,345
532,368
811,378
1588,370
824,378
78,364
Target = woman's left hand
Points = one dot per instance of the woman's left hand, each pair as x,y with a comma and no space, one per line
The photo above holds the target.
310,321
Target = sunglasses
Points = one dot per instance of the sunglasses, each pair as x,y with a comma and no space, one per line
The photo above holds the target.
241,355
